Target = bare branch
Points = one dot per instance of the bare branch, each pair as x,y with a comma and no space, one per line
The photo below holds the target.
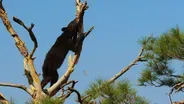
170,98
138,59
176,87
3,100
179,102
18,42
31,34
33,77
28,61
1,5
126,68
84,35
80,43
17,86
89,31
77,92
69,92
71,89
78,2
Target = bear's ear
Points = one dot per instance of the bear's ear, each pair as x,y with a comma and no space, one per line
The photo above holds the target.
64,29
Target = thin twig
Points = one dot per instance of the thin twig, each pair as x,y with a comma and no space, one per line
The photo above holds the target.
68,91
170,99
69,82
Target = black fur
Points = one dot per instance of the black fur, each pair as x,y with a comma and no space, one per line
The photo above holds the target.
58,52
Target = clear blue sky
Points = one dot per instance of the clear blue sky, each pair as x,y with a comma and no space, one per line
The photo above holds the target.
110,47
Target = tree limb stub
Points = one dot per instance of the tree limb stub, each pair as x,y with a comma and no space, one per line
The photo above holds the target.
18,42
79,44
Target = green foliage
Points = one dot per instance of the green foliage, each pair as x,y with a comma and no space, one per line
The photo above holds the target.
159,53
48,101
115,93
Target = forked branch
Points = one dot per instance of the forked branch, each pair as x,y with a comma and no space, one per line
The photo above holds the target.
31,34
